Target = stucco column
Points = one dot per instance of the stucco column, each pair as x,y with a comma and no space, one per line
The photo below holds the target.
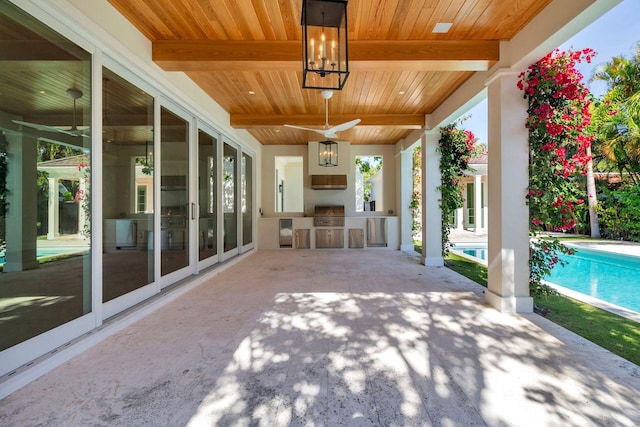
431,212
508,179
21,215
53,210
405,193
477,202
460,219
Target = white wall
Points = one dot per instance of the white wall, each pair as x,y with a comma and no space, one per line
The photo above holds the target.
312,197
293,187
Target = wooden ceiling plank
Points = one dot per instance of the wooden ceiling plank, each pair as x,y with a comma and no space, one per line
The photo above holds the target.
246,17
183,25
290,11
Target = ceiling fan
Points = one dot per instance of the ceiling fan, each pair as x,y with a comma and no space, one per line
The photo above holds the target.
74,94
329,132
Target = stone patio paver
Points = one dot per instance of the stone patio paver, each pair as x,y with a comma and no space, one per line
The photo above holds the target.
331,338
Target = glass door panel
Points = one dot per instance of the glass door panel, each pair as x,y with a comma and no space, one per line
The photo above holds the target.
207,196
45,183
229,198
174,192
127,187
247,199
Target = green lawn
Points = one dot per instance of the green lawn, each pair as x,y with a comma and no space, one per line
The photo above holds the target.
617,334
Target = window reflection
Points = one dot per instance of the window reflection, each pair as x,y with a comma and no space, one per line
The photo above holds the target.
127,189
229,208
247,199
207,230
174,192
45,179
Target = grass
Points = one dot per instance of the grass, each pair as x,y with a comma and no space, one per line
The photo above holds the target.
615,333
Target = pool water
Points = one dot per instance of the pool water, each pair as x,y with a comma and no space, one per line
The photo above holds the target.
614,278
46,252
475,252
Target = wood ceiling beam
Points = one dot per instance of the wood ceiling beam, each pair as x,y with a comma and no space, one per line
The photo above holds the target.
398,121
364,55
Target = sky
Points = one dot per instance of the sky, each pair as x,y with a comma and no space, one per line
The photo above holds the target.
615,33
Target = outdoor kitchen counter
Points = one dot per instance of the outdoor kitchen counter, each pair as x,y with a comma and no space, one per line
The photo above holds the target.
269,229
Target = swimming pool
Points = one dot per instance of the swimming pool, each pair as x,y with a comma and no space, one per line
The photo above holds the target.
51,251
610,277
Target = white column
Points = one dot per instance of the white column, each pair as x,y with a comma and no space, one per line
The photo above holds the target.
460,219
431,212
508,180
21,231
405,194
477,202
53,211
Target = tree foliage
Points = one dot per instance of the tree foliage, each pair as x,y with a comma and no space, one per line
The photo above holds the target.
616,117
368,166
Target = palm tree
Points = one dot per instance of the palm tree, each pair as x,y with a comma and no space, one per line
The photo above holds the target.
616,119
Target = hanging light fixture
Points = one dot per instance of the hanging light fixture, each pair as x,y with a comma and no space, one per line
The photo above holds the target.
324,38
327,153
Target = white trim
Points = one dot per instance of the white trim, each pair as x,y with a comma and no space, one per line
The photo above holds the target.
97,214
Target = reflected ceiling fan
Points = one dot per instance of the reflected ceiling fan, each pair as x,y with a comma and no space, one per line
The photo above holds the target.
329,132
74,94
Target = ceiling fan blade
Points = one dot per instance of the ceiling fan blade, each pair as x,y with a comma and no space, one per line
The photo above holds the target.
309,129
343,126
45,128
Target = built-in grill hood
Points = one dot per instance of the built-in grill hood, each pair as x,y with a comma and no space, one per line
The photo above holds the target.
329,182
328,216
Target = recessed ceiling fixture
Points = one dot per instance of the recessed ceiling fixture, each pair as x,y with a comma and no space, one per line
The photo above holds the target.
251,92
324,44
401,92
442,27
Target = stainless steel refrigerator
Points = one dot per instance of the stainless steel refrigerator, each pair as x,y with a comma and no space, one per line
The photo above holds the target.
377,232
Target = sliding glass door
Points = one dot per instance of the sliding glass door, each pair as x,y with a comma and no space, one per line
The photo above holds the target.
207,196
230,200
127,188
247,201
175,211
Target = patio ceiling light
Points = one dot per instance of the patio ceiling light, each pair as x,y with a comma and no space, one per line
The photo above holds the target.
328,153
324,38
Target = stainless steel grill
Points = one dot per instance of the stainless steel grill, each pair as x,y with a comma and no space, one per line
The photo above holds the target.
328,216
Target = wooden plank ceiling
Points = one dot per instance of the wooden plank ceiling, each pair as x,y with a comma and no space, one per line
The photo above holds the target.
247,56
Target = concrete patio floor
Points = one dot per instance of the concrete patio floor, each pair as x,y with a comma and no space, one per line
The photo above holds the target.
331,338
